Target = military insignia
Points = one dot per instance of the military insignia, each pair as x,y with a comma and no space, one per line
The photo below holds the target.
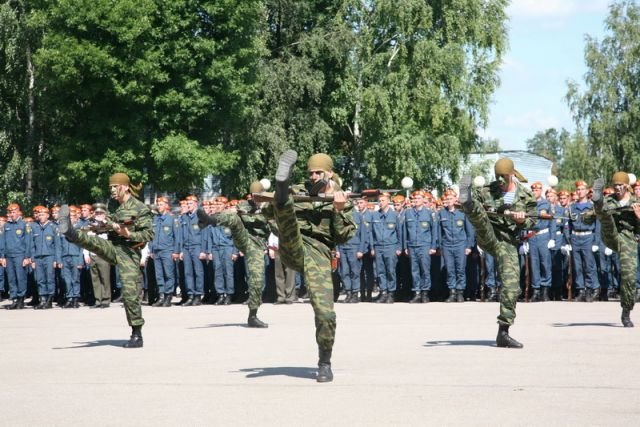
391,226
459,223
19,232
543,211
424,224
227,230
49,238
559,221
195,226
166,228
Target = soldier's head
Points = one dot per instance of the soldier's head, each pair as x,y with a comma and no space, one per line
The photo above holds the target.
74,213
620,181
505,171
582,190
162,203
536,189
398,202
220,204
41,214
55,212
85,211
320,169
183,207
417,199
13,212
119,186
449,198
192,203
551,196
383,200
362,204
564,198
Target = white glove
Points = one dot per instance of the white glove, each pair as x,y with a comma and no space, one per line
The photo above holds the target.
594,248
551,244
524,249
480,251
565,249
608,251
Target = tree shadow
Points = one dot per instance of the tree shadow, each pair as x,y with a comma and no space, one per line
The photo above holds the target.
96,343
286,371
566,325
480,343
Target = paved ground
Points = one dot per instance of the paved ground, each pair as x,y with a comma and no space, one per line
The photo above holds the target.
429,364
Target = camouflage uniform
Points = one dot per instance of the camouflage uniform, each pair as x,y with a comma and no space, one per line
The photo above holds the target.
249,234
498,236
618,231
125,253
307,233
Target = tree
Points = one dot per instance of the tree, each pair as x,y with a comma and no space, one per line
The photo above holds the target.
550,145
609,107
577,162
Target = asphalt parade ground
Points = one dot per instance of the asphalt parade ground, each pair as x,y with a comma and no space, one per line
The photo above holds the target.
394,365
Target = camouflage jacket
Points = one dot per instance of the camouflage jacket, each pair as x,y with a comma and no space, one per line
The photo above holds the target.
139,219
623,216
505,227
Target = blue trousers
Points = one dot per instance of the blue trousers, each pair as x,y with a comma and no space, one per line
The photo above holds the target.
386,261
165,272
584,262
540,257
71,276
455,262
193,271
420,268
17,276
223,270
350,269
45,275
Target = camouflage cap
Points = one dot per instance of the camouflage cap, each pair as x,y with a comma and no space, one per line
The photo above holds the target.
320,161
504,166
256,187
620,178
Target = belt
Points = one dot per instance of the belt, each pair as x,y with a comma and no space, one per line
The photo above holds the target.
543,231
581,233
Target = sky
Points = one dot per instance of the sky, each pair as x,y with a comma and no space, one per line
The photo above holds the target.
546,49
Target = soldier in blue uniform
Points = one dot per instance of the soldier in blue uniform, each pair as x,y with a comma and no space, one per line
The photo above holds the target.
17,255
420,241
558,267
386,236
456,240
541,240
45,242
71,261
352,252
3,221
582,227
165,250
193,253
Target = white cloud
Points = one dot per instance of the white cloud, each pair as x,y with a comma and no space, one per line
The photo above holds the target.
533,119
555,8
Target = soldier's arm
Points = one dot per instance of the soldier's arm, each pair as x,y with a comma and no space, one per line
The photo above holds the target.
143,227
342,226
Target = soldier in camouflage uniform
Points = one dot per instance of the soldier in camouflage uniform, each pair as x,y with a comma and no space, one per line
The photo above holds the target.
619,216
131,228
249,232
499,211
308,232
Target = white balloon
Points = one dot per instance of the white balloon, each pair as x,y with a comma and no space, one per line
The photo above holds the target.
552,180
632,179
406,182
266,184
479,181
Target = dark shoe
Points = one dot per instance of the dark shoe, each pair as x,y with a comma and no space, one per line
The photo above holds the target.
118,299
197,300
626,318
68,304
96,305
382,298
167,300
452,296
493,295
227,300
13,305
324,367
276,302
504,340
390,298
355,297
145,297
104,305
579,296
545,294
64,224
425,297
254,322
204,220
417,298
536,296
188,302
465,198
347,299
42,305
135,341
76,302
588,297
286,163
598,191
159,301
49,302
460,295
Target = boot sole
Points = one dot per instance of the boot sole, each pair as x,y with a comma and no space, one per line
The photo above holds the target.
285,165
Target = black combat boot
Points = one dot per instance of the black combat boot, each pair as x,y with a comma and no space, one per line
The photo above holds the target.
64,224
253,321
167,300
460,295
188,302
536,296
347,298
204,220
452,296
13,305
355,297
43,303
49,303
159,301
68,303
417,298
197,300
626,318
579,296
598,193
227,300
135,341
588,295
493,295
382,298
504,340
425,297
390,298
465,193
545,294
324,367
145,297
637,295
76,302
286,163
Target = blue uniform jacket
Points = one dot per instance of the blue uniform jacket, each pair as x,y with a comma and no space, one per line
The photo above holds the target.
360,240
582,217
192,236
455,229
420,229
386,229
167,234
17,239
45,239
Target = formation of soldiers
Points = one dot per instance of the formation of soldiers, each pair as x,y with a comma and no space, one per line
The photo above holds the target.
415,249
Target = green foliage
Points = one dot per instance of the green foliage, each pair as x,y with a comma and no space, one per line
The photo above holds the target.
549,144
609,107
578,162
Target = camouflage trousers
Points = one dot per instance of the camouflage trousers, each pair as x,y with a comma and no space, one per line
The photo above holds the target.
253,250
128,262
625,245
313,259
506,257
